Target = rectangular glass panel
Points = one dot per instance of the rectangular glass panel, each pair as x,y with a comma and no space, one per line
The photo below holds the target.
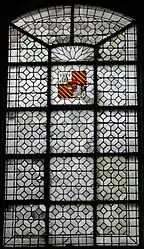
24,226
26,132
117,85
24,179
117,131
117,224
117,178
71,179
72,131
27,86
71,224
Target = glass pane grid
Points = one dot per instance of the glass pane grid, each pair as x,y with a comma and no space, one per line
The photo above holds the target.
22,48
118,225
24,226
71,224
79,214
72,132
27,86
120,48
24,179
93,25
117,131
25,132
71,179
117,85
117,178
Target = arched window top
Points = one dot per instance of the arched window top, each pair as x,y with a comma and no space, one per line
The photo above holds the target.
87,24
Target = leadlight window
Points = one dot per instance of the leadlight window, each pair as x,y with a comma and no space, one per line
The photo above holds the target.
71,171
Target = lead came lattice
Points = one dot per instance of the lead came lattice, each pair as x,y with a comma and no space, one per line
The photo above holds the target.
71,170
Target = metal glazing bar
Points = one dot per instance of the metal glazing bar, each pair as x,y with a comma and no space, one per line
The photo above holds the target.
140,80
124,154
70,107
115,62
25,156
24,109
74,44
3,99
46,63
95,148
97,202
72,25
25,202
91,107
41,156
80,247
47,158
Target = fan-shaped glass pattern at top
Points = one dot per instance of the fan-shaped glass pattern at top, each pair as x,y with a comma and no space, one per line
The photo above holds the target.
75,53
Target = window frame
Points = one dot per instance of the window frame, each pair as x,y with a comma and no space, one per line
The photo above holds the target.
140,66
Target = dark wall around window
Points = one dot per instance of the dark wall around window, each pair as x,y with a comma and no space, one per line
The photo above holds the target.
13,8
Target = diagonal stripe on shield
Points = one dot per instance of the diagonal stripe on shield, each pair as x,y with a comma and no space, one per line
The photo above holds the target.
64,91
79,77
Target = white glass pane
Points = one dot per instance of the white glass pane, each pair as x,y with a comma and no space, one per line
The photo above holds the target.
72,131
26,132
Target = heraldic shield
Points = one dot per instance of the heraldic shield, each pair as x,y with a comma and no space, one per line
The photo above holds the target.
72,85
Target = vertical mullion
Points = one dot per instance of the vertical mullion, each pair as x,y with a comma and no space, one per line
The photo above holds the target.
47,158
95,146
140,93
3,105
72,25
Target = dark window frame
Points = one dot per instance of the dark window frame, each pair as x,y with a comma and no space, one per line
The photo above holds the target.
140,76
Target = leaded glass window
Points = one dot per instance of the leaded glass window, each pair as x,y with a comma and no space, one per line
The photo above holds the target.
71,170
